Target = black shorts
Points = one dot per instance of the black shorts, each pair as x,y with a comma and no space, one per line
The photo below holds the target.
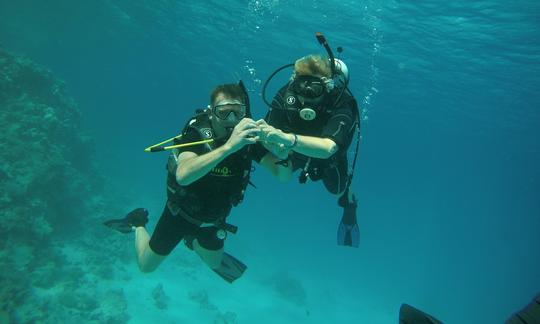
171,229
333,173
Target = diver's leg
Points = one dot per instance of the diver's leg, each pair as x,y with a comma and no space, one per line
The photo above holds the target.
211,257
147,259
336,181
335,178
151,251
209,247
348,232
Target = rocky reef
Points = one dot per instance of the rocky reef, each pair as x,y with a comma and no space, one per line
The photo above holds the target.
52,254
45,160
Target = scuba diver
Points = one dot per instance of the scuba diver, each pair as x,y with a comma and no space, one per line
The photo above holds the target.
208,172
312,119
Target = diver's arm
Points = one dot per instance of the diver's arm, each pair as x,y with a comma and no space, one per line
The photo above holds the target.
192,167
282,171
316,147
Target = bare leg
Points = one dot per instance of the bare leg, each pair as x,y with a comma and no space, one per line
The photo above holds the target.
211,257
147,259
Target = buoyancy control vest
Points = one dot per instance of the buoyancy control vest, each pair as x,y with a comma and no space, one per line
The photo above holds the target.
211,197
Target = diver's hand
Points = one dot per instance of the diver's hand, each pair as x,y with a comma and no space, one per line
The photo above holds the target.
277,149
272,135
265,130
244,133
280,151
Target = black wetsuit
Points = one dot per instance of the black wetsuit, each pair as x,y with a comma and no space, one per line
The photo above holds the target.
208,199
335,122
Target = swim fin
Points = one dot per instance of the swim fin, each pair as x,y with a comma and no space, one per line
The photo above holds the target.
136,218
231,268
411,315
528,315
348,232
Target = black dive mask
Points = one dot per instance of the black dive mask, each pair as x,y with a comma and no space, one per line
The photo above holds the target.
224,110
308,86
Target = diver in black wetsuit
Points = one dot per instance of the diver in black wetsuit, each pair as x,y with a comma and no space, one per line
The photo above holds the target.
311,124
204,182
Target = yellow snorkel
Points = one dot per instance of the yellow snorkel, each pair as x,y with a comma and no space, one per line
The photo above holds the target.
158,147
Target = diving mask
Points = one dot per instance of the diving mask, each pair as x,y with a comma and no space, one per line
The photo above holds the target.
309,86
223,109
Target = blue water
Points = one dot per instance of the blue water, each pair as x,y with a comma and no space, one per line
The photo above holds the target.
448,176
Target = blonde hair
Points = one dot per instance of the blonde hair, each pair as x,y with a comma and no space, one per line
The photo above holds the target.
313,65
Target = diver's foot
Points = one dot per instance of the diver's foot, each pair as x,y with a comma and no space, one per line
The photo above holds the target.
136,218
348,232
231,268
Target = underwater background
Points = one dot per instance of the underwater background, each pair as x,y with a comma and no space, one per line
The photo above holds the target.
448,175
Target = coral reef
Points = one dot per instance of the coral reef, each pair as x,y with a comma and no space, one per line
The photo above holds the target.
159,296
44,165
288,288
225,318
201,297
52,256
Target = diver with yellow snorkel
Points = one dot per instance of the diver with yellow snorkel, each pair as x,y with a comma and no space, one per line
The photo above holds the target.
208,172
